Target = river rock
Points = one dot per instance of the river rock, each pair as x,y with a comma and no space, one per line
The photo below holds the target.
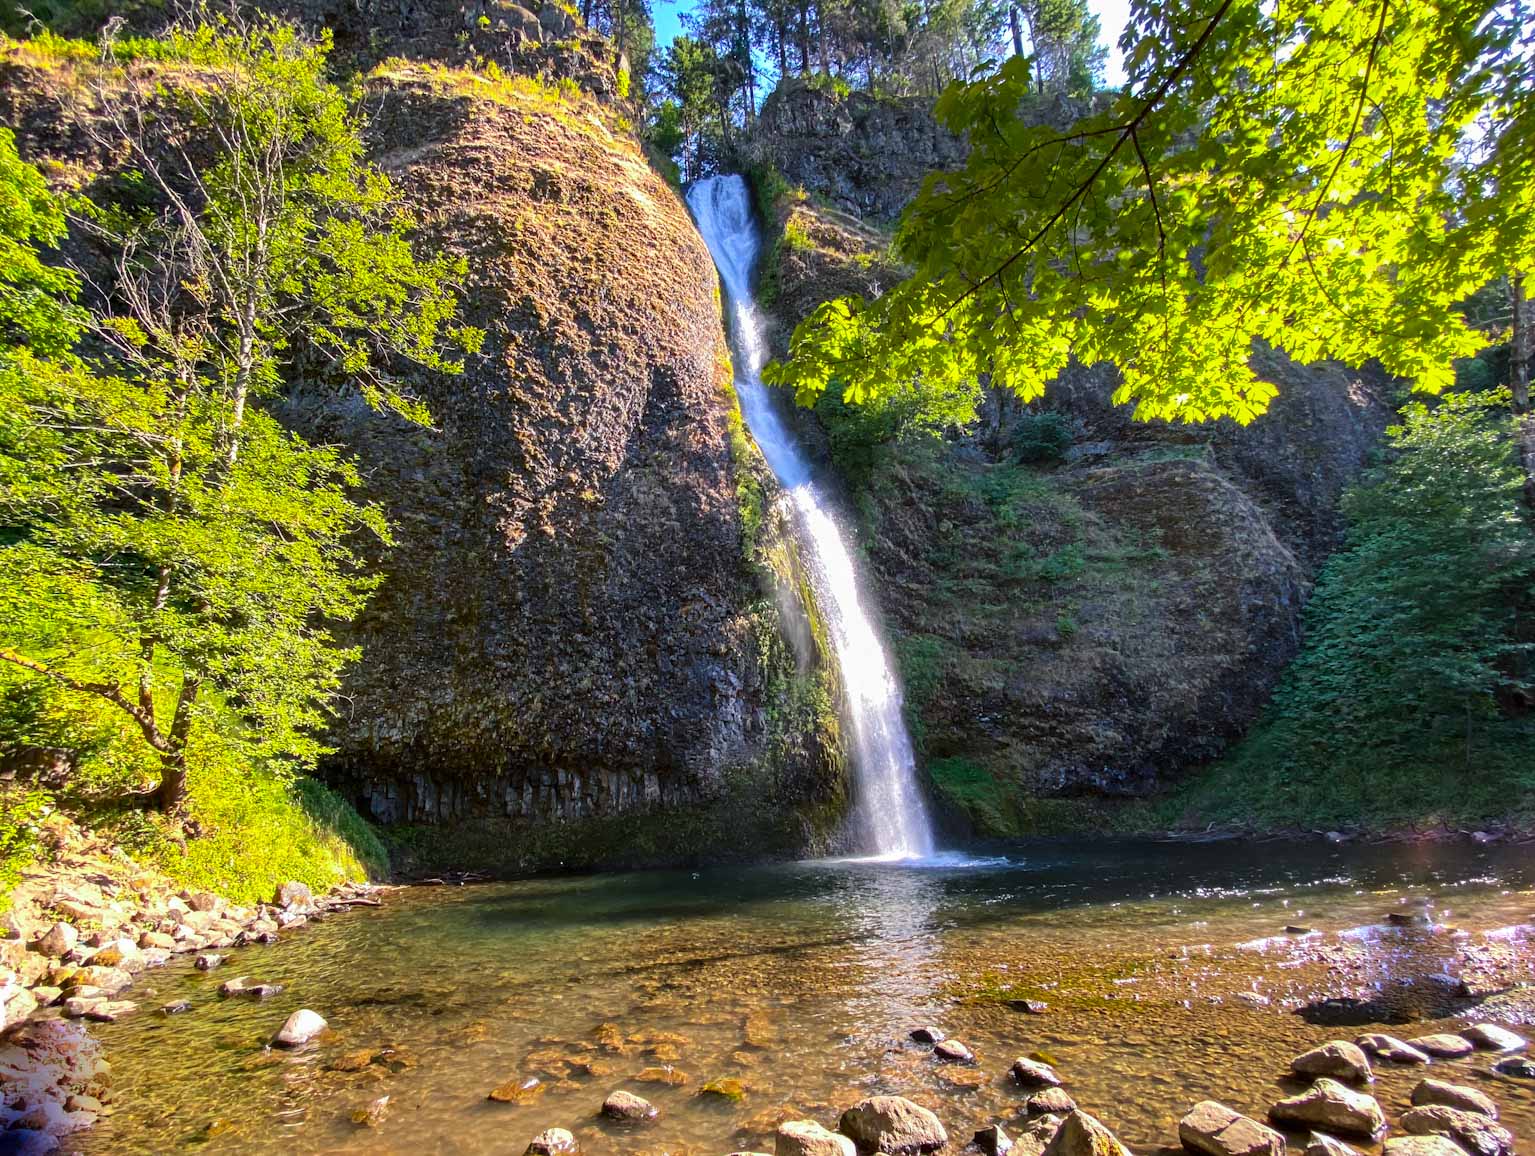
58,940
1034,1074
1083,1135
727,1088
1493,1037
176,1007
1422,1146
1338,1059
1443,1045
928,1035
953,1051
1051,1100
666,1074
1321,1144
291,895
1429,1092
299,1028
517,1090
552,1142
892,1124
207,961
627,1106
1520,1066
157,939
1213,1128
1390,1048
371,1114
807,1138
1472,1131
1329,1105
993,1141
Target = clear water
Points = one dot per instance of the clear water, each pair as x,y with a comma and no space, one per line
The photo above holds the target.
802,981
890,814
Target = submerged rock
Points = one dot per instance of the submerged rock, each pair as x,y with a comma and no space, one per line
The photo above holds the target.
1034,1074
1444,1045
1338,1059
1213,1128
518,1090
662,1075
552,1142
207,961
299,1028
371,1114
807,1138
1429,1092
1083,1135
892,1124
1493,1037
627,1106
1471,1130
728,1088
1390,1048
928,1035
1329,1105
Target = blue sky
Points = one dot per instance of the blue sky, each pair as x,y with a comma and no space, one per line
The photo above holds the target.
1112,14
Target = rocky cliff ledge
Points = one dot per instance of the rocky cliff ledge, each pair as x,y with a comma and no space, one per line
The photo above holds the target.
1082,606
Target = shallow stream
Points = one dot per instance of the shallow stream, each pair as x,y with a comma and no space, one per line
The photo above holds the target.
1167,970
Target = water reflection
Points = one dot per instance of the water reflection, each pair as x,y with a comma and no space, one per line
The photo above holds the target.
802,981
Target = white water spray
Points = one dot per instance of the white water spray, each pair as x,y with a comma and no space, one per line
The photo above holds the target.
889,808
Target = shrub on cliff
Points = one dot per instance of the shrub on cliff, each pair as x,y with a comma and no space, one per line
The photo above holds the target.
171,556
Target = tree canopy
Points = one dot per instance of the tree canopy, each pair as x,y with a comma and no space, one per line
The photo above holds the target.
168,551
1330,178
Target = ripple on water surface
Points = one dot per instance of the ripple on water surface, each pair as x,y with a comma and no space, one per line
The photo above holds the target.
1167,970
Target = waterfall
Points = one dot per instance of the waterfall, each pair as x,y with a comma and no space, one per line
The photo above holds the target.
889,811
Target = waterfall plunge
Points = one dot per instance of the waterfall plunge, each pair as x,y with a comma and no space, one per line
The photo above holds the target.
889,809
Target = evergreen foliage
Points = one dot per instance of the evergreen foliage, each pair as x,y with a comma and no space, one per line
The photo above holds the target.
1410,696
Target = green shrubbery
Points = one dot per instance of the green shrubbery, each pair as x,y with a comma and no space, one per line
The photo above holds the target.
1407,700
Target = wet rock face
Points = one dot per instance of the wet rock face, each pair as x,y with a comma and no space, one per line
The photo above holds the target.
564,628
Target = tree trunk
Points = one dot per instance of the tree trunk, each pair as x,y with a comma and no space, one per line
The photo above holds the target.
804,37
1015,22
1519,383
173,776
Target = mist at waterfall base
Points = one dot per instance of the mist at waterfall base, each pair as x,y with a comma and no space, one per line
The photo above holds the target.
890,816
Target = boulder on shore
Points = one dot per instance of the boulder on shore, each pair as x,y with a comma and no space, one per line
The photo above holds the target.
1390,1048
1321,1144
1337,1059
807,1138
1493,1038
1444,1045
1471,1130
1447,1095
1422,1146
1328,1105
1083,1135
1213,1128
893,1125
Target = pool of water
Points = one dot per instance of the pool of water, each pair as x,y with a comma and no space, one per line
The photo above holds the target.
1167,970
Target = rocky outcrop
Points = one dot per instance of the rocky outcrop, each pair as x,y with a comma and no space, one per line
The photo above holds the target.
865,153
567,629
1083,606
